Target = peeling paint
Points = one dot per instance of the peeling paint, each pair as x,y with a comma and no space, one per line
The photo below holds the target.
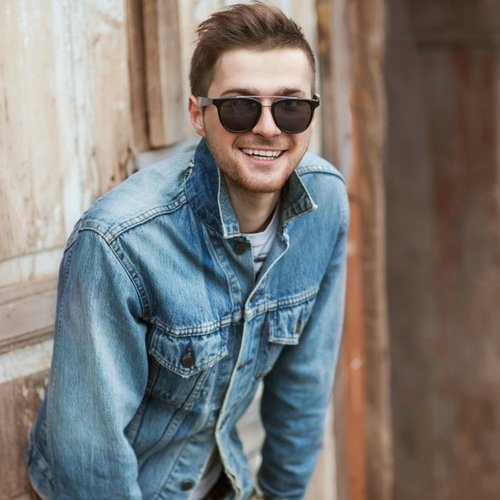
40,392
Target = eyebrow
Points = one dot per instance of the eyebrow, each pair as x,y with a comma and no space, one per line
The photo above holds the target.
253,92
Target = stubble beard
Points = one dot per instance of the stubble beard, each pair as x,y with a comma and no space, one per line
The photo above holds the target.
235,175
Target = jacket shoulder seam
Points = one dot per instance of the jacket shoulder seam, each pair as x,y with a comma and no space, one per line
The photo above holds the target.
112,230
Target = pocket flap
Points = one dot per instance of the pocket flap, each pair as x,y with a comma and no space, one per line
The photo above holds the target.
286,324
185,354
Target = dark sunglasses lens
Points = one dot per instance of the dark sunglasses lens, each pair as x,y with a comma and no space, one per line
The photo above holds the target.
239,115
292,115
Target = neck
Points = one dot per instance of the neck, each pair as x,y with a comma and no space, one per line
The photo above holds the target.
253,210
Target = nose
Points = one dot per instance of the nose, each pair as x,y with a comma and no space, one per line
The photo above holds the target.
266,125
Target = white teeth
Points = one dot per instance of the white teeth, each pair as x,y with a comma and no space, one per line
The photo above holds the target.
262,153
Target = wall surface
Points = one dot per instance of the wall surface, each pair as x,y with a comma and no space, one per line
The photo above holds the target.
443,243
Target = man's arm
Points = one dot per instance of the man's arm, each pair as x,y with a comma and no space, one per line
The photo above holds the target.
298,389
99,374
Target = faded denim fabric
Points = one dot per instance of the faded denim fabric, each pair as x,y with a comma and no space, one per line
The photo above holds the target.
163,333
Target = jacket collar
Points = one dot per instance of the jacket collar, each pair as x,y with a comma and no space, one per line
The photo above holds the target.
208,196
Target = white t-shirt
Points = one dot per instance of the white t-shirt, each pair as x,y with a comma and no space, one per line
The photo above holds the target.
263,241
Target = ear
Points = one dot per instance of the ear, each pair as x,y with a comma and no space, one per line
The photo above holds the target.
314,118
196,115
316,111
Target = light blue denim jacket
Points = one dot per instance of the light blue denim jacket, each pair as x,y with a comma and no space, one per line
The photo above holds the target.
163,333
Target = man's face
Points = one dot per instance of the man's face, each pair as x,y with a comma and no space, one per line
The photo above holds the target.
261,160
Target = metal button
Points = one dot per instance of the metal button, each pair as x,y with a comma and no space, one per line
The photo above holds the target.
240,248
186,485
187,360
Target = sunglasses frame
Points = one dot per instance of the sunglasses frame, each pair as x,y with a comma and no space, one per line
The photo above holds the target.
219,101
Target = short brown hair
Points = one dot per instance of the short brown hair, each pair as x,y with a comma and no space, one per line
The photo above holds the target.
242,26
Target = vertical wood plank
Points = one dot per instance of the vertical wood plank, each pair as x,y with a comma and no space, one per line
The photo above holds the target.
137,65
351,398
31,145
411,272
367,24
363,416
101,62
165,83
335,68
326,62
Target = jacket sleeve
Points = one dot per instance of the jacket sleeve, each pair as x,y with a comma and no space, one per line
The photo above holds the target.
98,375
298,388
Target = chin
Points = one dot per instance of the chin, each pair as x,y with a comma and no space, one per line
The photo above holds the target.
262,186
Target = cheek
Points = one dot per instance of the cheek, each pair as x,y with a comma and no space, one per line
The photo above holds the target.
217,134
302,142
211,119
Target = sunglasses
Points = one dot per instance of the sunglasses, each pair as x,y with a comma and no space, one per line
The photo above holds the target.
292,115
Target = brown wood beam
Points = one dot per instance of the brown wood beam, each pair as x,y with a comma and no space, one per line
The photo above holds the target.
367,33
353,32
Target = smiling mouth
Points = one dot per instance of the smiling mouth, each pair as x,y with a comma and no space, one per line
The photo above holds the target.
262,154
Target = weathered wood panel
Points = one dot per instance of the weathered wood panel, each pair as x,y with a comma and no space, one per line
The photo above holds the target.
105,107
329,78
137,65
33,146
19,403
64,121
363,420
26,313
166,95
444,248
367,26
343,469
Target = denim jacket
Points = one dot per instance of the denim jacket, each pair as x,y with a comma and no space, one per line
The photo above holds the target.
164,332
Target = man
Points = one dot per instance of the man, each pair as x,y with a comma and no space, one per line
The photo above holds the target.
196,279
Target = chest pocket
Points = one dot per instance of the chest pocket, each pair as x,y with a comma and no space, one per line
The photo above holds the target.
283,326
184,360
